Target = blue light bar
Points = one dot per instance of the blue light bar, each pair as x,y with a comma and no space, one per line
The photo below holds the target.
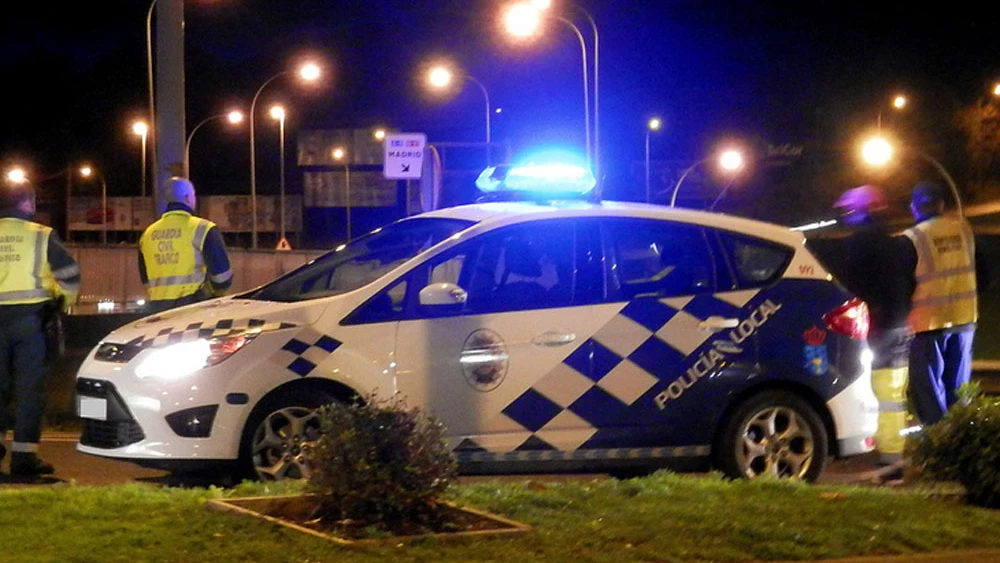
538,180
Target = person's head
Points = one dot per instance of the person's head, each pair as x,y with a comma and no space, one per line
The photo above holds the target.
858,205
927,200
18,195
181,190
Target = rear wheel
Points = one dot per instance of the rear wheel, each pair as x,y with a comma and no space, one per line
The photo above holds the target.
279,436
775,433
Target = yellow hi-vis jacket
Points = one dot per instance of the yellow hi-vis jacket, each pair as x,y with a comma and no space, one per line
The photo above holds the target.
945,295
25,274
172,248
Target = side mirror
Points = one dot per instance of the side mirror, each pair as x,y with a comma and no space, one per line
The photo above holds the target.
437,294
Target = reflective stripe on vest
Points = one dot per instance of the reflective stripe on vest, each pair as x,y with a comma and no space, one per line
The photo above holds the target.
945,295
22,243
173,251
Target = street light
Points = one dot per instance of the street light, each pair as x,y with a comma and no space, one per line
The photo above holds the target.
898,103
523,20
233,117
87,171
654,124
307,72
527,22
340,154
142,129
730,160
878,151
278,112
440,76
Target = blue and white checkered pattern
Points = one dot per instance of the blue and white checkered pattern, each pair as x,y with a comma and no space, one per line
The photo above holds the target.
306,350
648,342
194,331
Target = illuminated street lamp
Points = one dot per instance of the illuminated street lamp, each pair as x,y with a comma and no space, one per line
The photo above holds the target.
379,134
877,151
17,175
278,112
234,117
898,102
654,124
729,160
142,129
339,154
87,172
996,89
523,19
308,72
440,77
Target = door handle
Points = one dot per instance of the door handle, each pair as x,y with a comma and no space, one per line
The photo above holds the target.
715,324
553,338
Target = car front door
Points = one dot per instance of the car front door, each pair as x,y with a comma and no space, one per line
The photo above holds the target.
500,365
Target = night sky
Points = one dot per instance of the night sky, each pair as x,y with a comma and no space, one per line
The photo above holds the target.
783,72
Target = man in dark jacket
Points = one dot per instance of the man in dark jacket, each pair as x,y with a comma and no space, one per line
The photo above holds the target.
874,269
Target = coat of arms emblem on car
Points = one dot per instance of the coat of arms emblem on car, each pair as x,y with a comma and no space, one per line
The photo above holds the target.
484,359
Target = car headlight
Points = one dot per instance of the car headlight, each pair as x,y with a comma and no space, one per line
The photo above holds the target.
178,360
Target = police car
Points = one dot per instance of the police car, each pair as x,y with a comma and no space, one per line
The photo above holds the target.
555,335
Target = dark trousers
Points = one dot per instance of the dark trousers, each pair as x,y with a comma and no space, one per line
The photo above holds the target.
23,372
940,363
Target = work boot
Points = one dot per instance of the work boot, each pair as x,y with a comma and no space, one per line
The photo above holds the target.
28,463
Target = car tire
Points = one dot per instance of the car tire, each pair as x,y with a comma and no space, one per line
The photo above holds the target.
774,433
279,435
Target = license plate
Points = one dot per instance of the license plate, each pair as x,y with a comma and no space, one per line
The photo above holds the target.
92,407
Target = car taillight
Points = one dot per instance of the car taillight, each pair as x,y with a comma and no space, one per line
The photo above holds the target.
850,319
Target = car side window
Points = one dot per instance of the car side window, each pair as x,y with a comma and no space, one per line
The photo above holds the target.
526,266
652,258
755,262
388,305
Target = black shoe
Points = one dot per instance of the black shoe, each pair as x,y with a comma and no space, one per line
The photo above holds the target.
28,463
3,451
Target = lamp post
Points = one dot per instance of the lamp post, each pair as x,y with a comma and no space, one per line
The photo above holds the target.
653,125
152,99
898,103
308,72
142,129
234,117
440,77
730,160
523,20
87,171
278,112
339,154
878,151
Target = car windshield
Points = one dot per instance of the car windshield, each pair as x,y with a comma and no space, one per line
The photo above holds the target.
360,261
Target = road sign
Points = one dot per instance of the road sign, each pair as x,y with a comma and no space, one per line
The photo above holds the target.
283,244
404,155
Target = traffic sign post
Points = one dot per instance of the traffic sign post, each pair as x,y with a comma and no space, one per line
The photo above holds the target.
404,155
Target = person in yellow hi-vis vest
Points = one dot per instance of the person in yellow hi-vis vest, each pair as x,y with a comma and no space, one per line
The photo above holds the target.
944,306
182,258
37,274
874,269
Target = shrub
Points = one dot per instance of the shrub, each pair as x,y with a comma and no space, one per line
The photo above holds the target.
964,446
378,462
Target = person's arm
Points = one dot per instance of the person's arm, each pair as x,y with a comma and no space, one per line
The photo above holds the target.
220,274
65,270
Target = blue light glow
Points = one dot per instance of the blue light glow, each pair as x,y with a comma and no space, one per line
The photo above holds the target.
546,176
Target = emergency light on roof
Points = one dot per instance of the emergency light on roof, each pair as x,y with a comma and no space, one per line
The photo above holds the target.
550,181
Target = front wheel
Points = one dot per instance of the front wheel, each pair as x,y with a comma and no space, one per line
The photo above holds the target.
775,433
280,435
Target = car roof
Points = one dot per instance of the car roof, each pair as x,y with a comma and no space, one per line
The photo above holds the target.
490,215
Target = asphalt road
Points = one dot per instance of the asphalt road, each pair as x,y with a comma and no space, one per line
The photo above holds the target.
73,467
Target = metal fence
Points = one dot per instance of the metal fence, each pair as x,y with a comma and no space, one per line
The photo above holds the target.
110,274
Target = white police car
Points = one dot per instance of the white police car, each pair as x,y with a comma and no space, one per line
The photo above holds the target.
555,336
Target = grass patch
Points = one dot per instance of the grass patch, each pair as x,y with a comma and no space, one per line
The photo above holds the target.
664,517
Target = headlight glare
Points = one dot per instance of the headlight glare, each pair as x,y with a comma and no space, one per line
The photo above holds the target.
178,360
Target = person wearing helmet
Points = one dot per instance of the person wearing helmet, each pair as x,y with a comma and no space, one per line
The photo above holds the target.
182,258
945,306
875,270
36,274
